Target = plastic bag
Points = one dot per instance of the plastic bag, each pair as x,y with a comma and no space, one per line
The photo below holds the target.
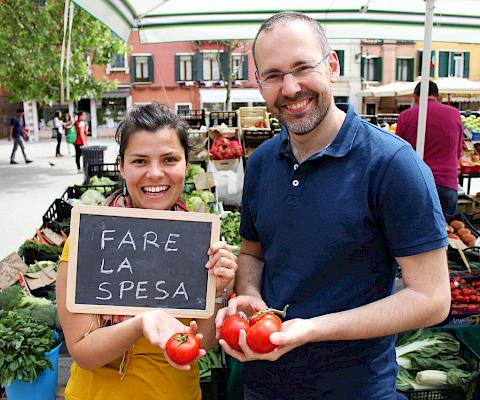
71,135
228,181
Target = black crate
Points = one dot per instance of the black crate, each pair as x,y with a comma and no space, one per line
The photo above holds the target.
370,118
215,387
58,211
253,139
111,171
76,191
194,118
229,118
387,118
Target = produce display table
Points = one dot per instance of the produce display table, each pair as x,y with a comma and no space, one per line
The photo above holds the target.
462,177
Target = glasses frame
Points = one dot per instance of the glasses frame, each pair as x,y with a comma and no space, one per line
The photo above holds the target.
261,82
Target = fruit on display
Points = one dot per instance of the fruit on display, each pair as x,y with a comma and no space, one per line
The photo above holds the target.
472,123
457,230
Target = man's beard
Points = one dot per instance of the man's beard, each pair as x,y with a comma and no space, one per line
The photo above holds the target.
308,122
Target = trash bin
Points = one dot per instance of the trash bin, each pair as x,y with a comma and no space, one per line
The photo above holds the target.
92,155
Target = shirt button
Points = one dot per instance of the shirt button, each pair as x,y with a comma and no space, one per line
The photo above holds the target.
295,182
295,166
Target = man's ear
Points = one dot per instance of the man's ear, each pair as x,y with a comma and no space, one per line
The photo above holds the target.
334,66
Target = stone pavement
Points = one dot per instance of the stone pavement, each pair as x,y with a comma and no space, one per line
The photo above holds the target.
27,191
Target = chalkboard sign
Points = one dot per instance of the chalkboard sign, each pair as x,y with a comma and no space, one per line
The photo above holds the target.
127,260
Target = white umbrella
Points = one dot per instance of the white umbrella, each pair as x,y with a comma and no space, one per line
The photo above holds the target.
389,90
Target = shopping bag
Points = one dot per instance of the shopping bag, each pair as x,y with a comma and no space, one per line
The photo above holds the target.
71,135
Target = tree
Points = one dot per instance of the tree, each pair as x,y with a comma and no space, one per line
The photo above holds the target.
30,50
225,61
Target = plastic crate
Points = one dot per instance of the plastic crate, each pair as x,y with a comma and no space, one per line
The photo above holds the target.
229,118
388,118
76,191
215,388
370,118
111,171
58,211
194,118
449,393
253,139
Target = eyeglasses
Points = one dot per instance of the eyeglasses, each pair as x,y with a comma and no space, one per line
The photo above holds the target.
275,79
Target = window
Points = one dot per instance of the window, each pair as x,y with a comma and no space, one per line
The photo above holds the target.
142,68
211,67
454,63
183,107
404,69
341,61
240,67
372,68
183,67
432,63
118,62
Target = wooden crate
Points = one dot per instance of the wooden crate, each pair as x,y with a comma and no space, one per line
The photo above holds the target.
249,116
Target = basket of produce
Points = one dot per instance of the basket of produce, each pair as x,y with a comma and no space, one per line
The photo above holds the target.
32,251
58,211
436,365
213,375
254,118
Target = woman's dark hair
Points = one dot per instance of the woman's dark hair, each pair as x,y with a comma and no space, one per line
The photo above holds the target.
151,117
58,114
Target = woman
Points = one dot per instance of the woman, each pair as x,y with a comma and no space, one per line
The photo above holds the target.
67,124
58,127
125,360
81,127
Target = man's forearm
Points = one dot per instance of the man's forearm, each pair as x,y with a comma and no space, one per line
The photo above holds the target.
249,275
407,309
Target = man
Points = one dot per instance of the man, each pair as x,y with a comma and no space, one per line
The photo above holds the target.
443,144
326,216
16,132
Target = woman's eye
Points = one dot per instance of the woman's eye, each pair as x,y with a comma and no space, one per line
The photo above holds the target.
171,160
138,161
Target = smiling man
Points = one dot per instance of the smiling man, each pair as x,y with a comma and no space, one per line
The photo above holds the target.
331,207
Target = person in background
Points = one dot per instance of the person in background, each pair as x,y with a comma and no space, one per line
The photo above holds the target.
332,205
17,132
124,358
58,128
82,134
443,144
67,124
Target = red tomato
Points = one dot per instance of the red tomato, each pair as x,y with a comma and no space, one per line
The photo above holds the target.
230,330
258,336
182,348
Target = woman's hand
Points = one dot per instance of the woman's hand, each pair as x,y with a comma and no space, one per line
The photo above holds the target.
158,326
223,263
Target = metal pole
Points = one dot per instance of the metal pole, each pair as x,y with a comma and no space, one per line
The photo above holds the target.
426,59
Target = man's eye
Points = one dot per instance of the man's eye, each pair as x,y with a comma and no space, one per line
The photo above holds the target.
304,68
271,77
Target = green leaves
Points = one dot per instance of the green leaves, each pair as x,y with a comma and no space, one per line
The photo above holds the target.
30,50
22,348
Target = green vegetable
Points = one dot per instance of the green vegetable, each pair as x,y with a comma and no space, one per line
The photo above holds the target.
39,265
92,197
47,249
210,360
193,170
230,227
23,343
432,378
205,195
11,297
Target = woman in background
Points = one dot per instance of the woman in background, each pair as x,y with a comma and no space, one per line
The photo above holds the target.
58,127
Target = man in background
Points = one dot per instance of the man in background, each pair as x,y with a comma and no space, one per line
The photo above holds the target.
443,144
16,131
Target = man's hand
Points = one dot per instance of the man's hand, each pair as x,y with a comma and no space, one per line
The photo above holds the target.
295,333
249,305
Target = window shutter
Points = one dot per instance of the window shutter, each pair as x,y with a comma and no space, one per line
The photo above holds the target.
341,61
378,69
132,68
197,67
432,64
224,67
419,62
150,69
443,64
410,70
245,67
177,68
466,64
362,67
451,63
398,69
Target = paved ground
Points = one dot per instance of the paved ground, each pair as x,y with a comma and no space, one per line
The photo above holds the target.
27,191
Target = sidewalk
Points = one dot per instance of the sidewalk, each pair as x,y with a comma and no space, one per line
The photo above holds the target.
27,191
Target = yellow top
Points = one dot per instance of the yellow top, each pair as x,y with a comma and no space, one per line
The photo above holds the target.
148,376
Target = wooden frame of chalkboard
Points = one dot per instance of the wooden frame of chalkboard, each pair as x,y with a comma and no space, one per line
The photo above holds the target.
123,261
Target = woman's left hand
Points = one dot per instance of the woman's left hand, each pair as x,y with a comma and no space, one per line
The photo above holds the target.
223,263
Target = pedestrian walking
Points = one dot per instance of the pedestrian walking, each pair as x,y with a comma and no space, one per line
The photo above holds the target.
58,129
17,132
81,128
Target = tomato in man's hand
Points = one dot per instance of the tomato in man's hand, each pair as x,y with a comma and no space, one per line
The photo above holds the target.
230,330
258,335
182,348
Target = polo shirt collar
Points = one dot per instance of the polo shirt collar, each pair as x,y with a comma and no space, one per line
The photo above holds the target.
340,146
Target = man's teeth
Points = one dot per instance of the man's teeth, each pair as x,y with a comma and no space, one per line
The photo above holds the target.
155,189
298,105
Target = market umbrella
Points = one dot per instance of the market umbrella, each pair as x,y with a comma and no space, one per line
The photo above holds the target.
389,90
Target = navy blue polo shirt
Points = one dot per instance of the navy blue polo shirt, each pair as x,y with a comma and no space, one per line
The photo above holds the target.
330,229
17,124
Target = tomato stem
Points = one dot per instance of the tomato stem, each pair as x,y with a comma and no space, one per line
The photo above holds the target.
283,312
181,339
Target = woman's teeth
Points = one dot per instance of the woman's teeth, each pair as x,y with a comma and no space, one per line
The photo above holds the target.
155,189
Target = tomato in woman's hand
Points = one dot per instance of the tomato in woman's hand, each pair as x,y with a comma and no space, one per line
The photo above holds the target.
230,330
182,348
258,335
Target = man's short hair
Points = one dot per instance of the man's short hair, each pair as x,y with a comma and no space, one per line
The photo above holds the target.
19,110
288,16
432,89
